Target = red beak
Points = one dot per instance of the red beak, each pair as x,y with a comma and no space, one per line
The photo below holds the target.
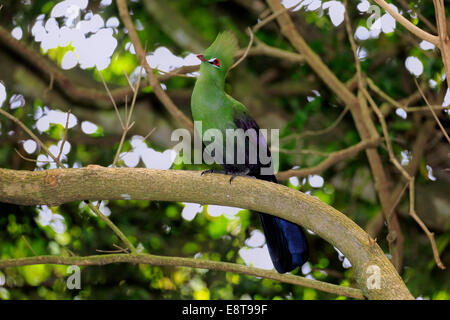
201,57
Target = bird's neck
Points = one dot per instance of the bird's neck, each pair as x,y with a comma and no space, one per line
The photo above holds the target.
212,83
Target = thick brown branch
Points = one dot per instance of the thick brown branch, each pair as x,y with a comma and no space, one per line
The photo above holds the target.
54,187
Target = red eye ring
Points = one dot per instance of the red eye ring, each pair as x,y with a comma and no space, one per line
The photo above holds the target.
215,62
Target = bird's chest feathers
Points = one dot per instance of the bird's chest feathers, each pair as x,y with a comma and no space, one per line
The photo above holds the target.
213,110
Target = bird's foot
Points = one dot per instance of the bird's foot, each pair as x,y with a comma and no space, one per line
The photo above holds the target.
240,174
233,174
213,171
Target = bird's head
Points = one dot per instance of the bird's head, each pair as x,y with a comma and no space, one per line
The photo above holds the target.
219,56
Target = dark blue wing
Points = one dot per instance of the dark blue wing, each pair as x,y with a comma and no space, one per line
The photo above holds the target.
286,241
255,142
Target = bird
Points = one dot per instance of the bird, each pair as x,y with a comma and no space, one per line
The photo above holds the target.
215,109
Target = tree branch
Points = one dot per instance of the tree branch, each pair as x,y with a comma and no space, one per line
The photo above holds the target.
332,158
63,79
408,24
100,260
444,41
57,186
409,178
361,117
314,61
153,80
60,78
418,149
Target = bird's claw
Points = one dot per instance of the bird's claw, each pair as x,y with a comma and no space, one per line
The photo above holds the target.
233,174
213,171
240,174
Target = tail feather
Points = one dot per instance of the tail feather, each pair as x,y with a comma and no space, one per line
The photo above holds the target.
287,243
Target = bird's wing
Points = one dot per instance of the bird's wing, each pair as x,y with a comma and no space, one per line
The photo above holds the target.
255,141
245,121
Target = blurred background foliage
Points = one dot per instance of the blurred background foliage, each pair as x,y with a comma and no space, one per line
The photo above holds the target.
279,93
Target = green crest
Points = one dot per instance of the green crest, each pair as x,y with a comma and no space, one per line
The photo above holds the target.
224,48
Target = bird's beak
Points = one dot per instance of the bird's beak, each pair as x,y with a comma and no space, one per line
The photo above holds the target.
201,57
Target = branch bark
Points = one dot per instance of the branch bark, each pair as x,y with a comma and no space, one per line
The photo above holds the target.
54,187
100,260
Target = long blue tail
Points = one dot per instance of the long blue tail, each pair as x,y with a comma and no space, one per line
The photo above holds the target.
286,241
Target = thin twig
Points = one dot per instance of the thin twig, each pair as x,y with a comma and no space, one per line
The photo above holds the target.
70,252
152,78
66,129
317,132
112,99
113,227
95,182
409,178
427,108
262,48
408,24
60,164
444,41
273,16
302,151
129,81
384,95
133,101
31,134
332,158
185,262
143,140
397,200
128,115
112,251
119,247
31,160
50,85
386,135
432,111
397,104
429,234
28,244
348,27
250,43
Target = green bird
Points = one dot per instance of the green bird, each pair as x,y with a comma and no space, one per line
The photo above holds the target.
215,109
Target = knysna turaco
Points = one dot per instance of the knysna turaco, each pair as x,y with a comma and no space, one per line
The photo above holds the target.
215,109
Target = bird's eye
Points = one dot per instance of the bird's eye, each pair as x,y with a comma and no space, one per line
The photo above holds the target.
215,62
